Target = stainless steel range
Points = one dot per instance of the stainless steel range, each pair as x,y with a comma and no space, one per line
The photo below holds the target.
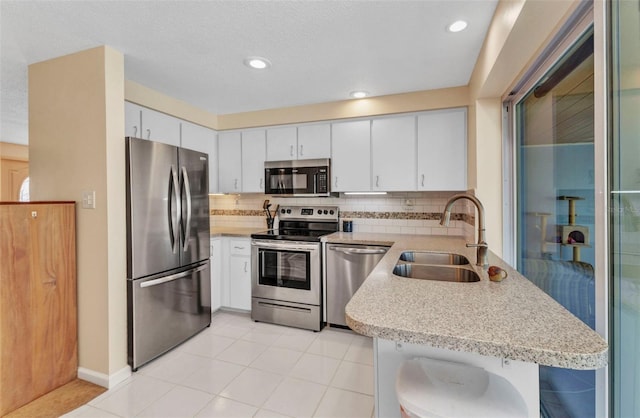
287,267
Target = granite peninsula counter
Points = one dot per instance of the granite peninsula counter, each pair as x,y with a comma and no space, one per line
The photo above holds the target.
512,319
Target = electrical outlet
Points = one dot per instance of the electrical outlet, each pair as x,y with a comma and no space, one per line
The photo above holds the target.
409,205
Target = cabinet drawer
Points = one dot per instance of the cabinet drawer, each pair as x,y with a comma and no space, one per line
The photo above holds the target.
240,247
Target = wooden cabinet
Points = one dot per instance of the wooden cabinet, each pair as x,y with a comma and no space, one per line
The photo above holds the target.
254,148
442,150
393,145
351,156
38,308
230,162
205,140
314,141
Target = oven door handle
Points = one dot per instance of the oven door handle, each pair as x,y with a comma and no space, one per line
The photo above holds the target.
289,246
358,250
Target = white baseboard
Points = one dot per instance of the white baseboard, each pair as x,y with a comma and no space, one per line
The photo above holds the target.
104,380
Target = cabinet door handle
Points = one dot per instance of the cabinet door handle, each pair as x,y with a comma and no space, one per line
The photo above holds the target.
235,184
148,133
291,151
245,266
301,150
135,131
422,180
377,181
261,180
336,182
238,248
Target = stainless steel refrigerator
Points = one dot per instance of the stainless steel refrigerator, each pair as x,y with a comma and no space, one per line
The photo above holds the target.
168,281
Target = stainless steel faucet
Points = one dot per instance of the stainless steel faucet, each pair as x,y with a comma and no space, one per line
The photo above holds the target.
482,245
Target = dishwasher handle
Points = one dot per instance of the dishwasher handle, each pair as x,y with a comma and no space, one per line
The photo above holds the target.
359,251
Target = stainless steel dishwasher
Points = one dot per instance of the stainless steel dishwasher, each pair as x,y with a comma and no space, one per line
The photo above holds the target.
347,267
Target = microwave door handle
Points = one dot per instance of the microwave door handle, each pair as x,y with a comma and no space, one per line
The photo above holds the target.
315,183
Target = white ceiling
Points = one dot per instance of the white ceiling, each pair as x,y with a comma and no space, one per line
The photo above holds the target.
194,50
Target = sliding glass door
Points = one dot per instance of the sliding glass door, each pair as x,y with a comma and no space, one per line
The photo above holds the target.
625,209
555,237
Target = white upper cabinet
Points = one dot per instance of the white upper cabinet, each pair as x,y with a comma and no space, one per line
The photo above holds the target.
314,141
351,156
132,116
282,143
442,150
299,143
160,127
230,162
254,148
393,146
205,140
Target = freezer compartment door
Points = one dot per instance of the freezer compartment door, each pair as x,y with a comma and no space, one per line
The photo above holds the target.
153,208
164,311
194,198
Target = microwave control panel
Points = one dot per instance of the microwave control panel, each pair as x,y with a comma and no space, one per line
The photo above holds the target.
322,182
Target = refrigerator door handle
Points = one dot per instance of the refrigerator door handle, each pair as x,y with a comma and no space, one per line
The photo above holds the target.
173,197
172,277
187,224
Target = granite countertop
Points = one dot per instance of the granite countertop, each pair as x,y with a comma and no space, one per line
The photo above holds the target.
512,319
225,231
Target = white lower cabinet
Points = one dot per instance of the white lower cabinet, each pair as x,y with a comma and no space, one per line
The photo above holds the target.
216,273
235,284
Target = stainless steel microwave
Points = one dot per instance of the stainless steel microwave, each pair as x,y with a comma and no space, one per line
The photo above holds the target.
298,177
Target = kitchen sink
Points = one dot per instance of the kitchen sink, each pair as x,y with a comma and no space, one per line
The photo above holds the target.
421,257
440,273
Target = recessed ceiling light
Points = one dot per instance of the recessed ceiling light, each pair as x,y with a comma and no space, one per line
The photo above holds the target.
457,26
358,94
258,63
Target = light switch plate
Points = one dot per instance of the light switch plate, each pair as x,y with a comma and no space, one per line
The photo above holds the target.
89,199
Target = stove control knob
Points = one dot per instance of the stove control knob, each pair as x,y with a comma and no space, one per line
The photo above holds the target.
325,211
331,212
282,211
319,212
288,210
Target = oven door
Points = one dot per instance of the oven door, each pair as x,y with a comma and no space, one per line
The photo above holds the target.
286,271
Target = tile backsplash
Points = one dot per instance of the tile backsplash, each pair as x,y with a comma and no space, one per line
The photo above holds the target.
404,213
